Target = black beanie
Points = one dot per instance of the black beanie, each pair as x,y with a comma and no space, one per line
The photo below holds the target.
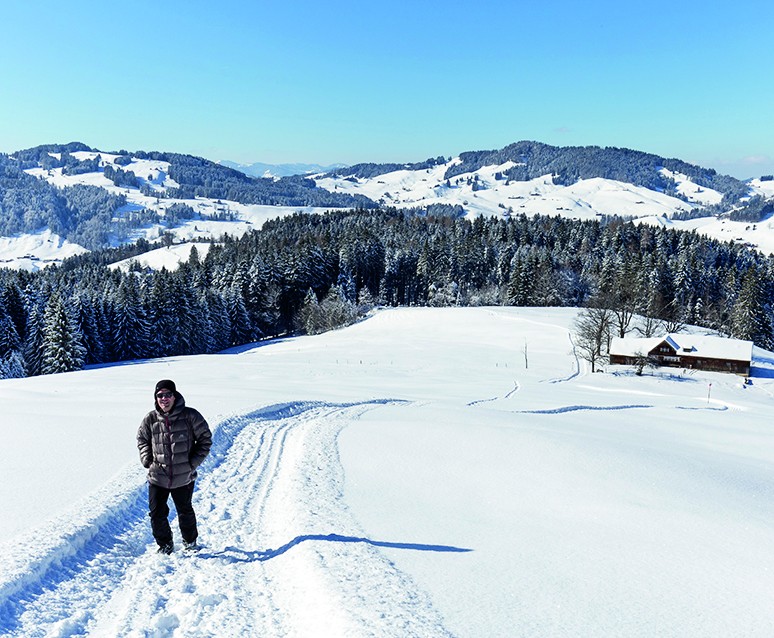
165,384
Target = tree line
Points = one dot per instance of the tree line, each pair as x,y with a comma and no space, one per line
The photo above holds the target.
312,272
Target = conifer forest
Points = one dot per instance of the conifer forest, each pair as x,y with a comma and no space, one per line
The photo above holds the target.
307,273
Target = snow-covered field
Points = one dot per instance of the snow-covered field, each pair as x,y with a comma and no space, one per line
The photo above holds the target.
33,251
427,472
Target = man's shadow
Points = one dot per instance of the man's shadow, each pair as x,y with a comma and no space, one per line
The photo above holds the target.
237,555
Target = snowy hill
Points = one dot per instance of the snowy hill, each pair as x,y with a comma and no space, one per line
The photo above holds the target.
35,251
470,184
484,191
479,193
361,485
213,217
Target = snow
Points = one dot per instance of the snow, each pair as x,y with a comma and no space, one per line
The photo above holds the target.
693,345
692,191
585,200
763,187
758,235
169,257
426,472
16,252
33,251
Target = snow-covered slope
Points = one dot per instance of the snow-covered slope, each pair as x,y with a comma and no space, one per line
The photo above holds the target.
155,175
169,257
480,192
427,472
151,172
35,251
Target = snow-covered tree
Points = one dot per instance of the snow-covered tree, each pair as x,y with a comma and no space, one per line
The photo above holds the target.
130,331
63,349
750,318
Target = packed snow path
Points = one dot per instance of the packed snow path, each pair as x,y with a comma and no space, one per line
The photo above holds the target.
281,555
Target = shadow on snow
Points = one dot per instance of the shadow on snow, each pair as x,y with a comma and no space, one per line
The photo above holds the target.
236,555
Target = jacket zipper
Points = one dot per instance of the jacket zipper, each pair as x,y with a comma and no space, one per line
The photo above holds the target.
170,470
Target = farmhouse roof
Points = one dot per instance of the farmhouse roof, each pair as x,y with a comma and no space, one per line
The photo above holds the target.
686,345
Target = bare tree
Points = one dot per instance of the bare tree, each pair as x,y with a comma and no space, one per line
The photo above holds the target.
592,334
674,325
674,320
623,315
649,326
623,303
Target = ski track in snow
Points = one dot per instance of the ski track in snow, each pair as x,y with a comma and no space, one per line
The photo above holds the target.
574,408
576,362
281,555
508,395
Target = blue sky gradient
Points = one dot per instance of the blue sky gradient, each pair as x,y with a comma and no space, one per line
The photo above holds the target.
389,81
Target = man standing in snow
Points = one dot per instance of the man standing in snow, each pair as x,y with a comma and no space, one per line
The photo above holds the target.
173,441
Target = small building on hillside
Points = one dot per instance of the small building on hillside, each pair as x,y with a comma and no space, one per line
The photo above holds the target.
695,352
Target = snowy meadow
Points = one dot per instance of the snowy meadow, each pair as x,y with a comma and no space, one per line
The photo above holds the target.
426,472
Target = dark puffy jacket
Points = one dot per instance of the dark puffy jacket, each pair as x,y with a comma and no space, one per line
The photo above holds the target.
174,444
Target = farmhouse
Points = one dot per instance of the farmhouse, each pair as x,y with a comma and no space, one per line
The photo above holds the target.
697,352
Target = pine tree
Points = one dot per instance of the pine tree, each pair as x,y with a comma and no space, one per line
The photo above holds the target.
182,302
12,366
219,321
63,349
750,319
522,282
9,337
33,345
310,316
239,320
87,324
13,300
11,358
163,323
130,331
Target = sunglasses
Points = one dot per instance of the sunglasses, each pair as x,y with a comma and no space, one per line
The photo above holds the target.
164,395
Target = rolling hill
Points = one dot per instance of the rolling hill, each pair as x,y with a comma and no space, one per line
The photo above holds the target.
59,200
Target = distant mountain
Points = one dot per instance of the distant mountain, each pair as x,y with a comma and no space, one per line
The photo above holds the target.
525,161
259,169
94,198
86,198
532,177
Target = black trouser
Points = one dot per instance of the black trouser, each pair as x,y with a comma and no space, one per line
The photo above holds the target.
159,512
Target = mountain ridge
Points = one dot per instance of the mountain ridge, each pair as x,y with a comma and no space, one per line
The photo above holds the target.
534,159
93,199
261,169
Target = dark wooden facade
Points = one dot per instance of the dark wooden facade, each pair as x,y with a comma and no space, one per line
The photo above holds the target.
687,354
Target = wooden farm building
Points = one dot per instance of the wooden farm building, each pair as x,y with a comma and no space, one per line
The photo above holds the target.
696,352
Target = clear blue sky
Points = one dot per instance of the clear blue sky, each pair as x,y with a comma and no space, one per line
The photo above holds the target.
391,81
